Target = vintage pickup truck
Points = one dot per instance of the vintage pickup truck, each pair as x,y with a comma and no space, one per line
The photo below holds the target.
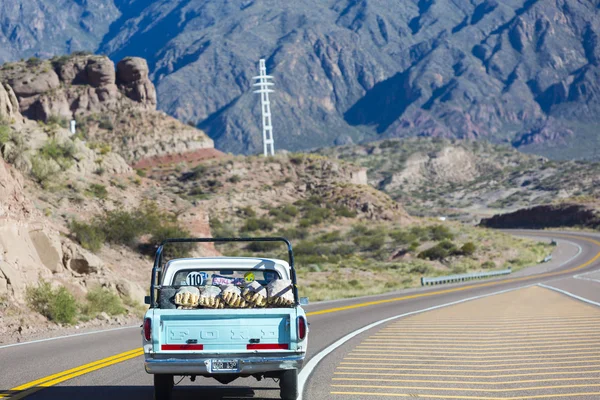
222,343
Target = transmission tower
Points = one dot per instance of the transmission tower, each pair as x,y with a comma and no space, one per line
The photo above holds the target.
264,82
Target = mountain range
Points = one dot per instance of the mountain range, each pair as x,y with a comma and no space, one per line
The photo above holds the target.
523,72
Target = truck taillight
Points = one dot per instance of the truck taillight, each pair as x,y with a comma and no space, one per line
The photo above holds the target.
301,328
147,329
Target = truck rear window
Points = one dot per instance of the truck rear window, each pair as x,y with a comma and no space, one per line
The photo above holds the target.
218,277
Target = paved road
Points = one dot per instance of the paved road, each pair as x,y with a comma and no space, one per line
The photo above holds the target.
70,368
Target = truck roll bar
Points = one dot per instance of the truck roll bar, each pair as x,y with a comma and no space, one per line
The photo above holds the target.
158,258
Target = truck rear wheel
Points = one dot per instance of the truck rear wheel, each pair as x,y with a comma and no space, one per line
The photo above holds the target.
288,383
163,386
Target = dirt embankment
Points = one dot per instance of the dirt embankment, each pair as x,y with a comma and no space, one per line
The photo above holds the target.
547,216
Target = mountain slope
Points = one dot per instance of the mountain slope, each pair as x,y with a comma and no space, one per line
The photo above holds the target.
518,71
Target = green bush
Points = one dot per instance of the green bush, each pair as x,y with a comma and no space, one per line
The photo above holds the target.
294,233
221,229
257,224
291,210
330,237
62,153
343,211
55,304
170,231
370,243
102,300
235,179
264,246
468,249
89,236
58,120
98,191
403,236
43,170
34,62
5,134
488,265
246,212
440,251
440,232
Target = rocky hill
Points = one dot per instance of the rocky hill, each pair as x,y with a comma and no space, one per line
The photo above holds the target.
115,106
522,71
548,216
468,179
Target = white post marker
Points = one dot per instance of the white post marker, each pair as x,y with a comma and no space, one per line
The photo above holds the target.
264,83
73,126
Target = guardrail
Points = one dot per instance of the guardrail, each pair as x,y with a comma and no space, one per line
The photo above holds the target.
462,277
547,258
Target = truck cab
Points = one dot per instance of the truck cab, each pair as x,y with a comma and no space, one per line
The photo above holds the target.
226,343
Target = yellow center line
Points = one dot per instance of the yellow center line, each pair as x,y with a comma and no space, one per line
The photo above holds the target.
467,389
433,396
51,380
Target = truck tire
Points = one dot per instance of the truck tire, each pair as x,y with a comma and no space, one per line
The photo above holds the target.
163,386
288,383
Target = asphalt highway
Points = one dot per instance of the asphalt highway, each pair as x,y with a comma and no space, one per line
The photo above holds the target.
492,339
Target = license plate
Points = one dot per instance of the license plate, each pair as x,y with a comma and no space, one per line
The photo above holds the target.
224,365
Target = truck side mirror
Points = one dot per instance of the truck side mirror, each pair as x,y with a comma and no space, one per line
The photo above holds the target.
303,301
147,300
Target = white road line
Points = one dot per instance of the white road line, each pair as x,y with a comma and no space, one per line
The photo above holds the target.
312,364
581,276
69,336
569,294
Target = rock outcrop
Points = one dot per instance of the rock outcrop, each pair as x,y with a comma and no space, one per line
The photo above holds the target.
547,216
111,105
71,87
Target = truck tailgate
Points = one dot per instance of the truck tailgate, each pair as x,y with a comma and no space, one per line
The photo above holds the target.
226,331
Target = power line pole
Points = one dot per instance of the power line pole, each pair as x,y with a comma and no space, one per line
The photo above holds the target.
264,82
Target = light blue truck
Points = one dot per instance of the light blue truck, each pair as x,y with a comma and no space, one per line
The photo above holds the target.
223,342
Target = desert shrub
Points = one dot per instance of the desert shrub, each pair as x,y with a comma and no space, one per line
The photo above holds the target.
89,236
55,304
34,62
102,300
307,247
290,210
488,265
402,236
344,250
279,215
314,216
468,249
246,212
43,170
370,243
294,233
197,172
330,237
257,224
440,232
221,229
127,227
343,211
5,134
440,251
97,190
106,123
264,246
422,269
234,179
62,153
58,120
170,231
